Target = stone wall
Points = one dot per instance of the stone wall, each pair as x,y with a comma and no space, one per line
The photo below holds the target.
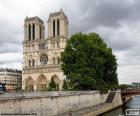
51,103
117,102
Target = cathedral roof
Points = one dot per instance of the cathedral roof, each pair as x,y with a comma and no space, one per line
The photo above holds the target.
58,13
33,18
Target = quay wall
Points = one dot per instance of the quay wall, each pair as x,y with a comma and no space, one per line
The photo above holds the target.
48,103
126,99
117,102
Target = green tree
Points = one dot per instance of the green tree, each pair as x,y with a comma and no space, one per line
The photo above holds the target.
65,85
124,86
88,63
52,85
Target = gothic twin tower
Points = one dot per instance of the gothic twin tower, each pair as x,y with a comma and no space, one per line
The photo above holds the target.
41,55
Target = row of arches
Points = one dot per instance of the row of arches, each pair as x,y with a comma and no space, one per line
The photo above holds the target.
41,83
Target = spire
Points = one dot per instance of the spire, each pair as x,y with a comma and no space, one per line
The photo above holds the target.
61,10
26,18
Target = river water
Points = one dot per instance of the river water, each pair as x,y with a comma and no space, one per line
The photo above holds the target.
121,111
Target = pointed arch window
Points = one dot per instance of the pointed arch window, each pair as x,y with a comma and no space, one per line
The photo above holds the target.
58,27
53,60
53,44
33,62
29,33
53,28
33,31
40,32
58,46
58,60
29,63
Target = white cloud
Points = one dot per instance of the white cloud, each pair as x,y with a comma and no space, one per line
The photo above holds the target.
119,26
128,74
10,57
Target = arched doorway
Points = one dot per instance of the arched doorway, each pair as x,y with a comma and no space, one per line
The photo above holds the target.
57,81
41,83
29,84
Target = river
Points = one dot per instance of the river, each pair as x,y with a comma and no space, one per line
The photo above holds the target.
121,111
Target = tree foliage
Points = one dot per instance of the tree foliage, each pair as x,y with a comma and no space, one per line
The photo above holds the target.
124,86
88,63
52,86
65,85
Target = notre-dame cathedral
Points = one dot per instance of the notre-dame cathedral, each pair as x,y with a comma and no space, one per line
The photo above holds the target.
41,56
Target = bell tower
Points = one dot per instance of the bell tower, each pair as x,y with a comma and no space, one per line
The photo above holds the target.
57,29
33,29
57,24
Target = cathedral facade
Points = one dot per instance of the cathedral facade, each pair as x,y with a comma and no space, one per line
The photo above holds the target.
41,56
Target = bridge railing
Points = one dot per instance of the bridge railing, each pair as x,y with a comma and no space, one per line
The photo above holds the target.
133,92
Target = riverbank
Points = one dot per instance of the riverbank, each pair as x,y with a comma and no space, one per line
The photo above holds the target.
134,103
109,106
49,103
79,103
111,103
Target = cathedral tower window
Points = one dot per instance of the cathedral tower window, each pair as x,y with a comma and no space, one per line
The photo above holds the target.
58,60
33,62
33,31
53,60
40,32
53,44
58,46
53,28
42,46
29,63
29,33
58,27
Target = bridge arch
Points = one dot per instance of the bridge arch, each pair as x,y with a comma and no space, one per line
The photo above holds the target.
29,84
41,83
57,81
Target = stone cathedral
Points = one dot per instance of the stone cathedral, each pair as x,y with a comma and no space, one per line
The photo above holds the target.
41,55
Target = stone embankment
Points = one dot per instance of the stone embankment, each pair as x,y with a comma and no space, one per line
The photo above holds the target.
75,103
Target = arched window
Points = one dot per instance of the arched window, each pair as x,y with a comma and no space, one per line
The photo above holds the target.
53,60
53,44
58,60
57,81
40,32
29,33
29,63
58,46
33,62
58,27
53,28
33,31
